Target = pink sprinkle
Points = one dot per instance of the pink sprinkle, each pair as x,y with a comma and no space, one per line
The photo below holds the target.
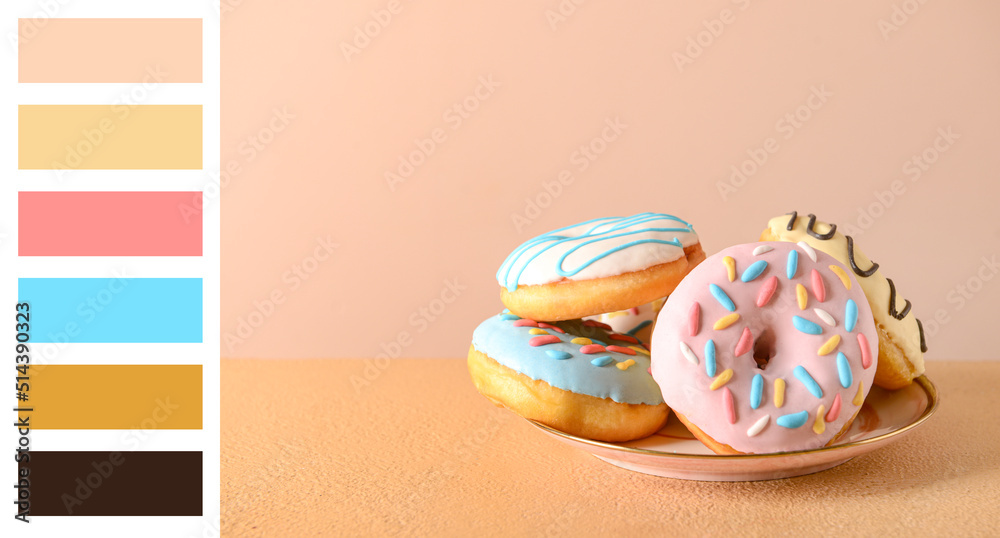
525,323
590,349
650,370
834,411
694,319
767,291
544,325
727,403
543,339
623,338
592,323
746,342
619,349
819,289
866,352
634,310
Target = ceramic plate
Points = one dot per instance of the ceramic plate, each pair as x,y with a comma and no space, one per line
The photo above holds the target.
673,452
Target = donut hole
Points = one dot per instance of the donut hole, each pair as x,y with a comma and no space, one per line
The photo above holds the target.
763,348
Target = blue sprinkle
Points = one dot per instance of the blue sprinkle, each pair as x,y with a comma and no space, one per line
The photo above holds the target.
557,355
603,360
754,271
844,370
721,296
639,327
806,326
802,375
793,263
756,391
850,315
793,420
509,317
710,358
598,342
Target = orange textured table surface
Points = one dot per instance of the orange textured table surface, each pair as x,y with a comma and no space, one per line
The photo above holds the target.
318,447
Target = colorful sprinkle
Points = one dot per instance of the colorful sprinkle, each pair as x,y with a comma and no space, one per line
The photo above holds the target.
807,249
694,319
591,349
581,341
759,425
525,323
720,295
625,364
592,323
829,346
721,379
726,321
710,358
762,249
603,360
794,420
819,288
639,327
819,426
553,327
538,331
623,338
543,340
844,371
825,316
779,392
756,391
850,315
802,296
811,385
767,291
730,267
866,353
508,317
598,342
688,354
640,349
834,411
557,355
754,271
727,403
805,326
745,343
859,397
793,264
622,350
844,279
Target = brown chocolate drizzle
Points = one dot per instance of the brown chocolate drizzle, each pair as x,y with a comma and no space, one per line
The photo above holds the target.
791,221
854,266
812,231
923,343
892,303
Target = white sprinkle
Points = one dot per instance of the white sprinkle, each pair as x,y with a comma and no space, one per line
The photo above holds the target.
809,250
825,316
759,425
688,354
762,249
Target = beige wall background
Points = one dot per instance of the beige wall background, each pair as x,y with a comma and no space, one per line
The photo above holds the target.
880,116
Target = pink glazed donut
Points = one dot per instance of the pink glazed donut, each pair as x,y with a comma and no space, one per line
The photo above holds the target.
766,347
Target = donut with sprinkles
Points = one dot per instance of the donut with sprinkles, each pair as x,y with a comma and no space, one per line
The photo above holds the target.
766,347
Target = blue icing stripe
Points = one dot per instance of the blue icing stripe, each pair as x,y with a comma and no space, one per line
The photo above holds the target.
603,360
844,371
639,327
601,229
509,317
720,295
508,345
811,385
558,355
806,326
793,420
793,263
754,271
850,315
756,391
710,358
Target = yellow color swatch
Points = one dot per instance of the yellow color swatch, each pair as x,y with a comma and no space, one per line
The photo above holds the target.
109,137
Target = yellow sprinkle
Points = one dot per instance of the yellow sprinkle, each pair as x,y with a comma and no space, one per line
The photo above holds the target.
779,392
860,396
829,346
538,331
612,315
726,321
582,341
730,267
721,379
802,295
819,426
658,304
639,349
625,364
843,275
